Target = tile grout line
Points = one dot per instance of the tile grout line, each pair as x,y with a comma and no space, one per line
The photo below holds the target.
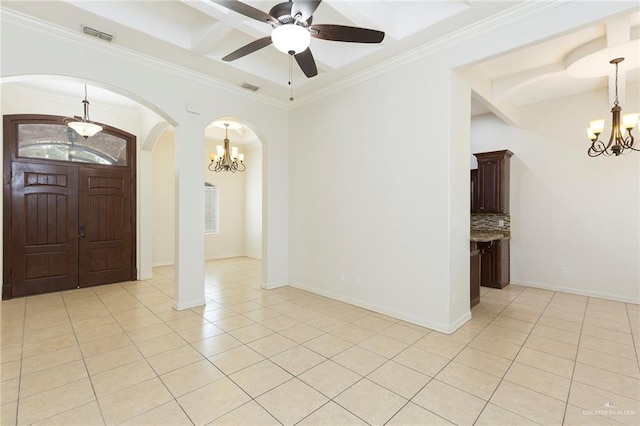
143,357
633,337
502,379
607,371
575,363
449,362
84,362
24,326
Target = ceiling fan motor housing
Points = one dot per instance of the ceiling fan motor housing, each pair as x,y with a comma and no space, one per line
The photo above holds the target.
282,12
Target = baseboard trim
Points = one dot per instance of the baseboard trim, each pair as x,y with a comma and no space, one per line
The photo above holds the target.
442,328
188,305
578,292
160,264
265,286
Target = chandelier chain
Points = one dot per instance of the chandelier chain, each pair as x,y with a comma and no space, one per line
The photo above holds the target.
290,77
616,103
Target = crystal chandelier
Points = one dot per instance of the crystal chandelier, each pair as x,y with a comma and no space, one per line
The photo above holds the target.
227,159
618,142
85,128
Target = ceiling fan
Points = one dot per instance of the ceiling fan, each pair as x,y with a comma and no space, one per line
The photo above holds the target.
293,29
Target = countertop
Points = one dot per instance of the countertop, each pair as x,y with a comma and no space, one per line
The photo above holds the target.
486,236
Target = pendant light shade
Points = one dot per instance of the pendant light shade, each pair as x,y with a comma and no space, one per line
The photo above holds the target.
85,127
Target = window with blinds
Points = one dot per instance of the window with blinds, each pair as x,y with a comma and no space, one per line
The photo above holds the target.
211,211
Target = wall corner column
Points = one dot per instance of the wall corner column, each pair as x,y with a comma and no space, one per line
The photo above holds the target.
189,256
459,201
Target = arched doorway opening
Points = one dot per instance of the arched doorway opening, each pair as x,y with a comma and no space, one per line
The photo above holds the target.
233,201
62,96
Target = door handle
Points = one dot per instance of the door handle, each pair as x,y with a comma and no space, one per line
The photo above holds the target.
82,229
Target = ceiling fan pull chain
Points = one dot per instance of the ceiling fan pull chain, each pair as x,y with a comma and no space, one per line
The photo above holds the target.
290,78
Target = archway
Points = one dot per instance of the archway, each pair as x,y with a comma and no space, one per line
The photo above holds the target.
61,95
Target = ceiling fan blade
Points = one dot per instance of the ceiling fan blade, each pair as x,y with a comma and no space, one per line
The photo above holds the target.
246,10
307,63
305,8
344,33
248,48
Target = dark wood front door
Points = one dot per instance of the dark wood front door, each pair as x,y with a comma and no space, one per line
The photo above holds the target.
104,226
69,208
71,227
44,216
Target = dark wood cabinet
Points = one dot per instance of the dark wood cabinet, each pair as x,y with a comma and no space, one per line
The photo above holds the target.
492,182
474,278
474,191
494,263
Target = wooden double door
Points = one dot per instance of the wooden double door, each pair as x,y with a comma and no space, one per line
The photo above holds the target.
71,227
66,224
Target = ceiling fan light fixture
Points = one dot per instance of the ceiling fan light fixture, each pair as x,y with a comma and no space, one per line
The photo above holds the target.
291,38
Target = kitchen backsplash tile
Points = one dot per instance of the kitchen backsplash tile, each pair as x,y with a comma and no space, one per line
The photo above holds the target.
490,222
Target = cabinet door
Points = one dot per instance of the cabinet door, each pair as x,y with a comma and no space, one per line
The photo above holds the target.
488,267
489,186
474,191
474,276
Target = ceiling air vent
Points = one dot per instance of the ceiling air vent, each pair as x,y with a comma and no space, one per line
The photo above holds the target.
250,87
95,33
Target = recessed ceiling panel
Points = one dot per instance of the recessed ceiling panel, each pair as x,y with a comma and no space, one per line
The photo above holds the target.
171,22
338,54
414,16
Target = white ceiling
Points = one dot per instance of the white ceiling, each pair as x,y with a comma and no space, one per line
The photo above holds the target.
196,34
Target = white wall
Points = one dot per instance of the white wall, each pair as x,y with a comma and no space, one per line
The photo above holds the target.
369,195
164,195
567,209
253,201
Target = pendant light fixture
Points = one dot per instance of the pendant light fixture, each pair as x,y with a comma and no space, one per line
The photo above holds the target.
618,142
226,159
85,127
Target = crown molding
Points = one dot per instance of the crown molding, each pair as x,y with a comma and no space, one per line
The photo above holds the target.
135,56
514,14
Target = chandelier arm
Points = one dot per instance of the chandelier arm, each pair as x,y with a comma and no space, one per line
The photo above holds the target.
597,148
628,141
630,144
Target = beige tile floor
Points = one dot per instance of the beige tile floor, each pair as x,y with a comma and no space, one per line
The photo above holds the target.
119,354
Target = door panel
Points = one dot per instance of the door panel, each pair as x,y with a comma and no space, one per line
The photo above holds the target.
488,187
44,223
105,224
